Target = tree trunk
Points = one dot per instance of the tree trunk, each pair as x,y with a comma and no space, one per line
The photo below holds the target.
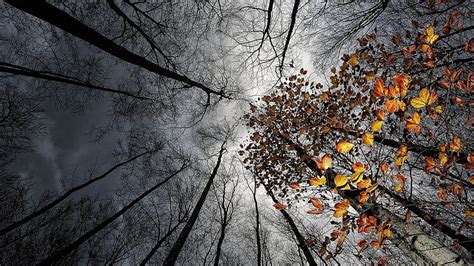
56,256
178,245
294,228
64,21
66,195
221,240
159,243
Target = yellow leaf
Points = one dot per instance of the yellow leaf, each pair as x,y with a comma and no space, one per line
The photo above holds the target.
317,181
425,97
358,167
377,125
368,138
398,188
430,36
439,109
387,232
443,158
399,161
356,177
340,180
471,179
344,147
341,208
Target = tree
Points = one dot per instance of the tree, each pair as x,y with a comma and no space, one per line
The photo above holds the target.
289,134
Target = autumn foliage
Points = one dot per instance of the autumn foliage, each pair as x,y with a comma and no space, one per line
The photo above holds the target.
395,123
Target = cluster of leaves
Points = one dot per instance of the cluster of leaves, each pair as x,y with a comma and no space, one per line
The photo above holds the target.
388,105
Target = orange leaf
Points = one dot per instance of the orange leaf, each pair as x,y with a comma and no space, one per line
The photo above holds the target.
379,88
391,106
380,114
375,244
344,147
316,203
295,185
425,98
442,194
413,123
430,164
455,144
362,244
314,211
402,82
341,208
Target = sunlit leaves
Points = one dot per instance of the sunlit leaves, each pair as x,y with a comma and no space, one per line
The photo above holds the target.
455,144
324,163
380,114
377,125
366,223
341,208
317,181
402,81
425,98
318,206
413,123
379,88
430,36
344,147
368,138
340,180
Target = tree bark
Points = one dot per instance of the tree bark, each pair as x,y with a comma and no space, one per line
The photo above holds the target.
178,245
69,24
56,256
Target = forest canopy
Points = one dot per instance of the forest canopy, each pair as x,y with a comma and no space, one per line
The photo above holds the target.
236,132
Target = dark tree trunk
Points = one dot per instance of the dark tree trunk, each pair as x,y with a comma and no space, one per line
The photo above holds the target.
178,245
56,256
64,21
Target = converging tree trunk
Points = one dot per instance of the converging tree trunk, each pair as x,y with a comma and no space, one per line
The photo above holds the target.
178,245
57,255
